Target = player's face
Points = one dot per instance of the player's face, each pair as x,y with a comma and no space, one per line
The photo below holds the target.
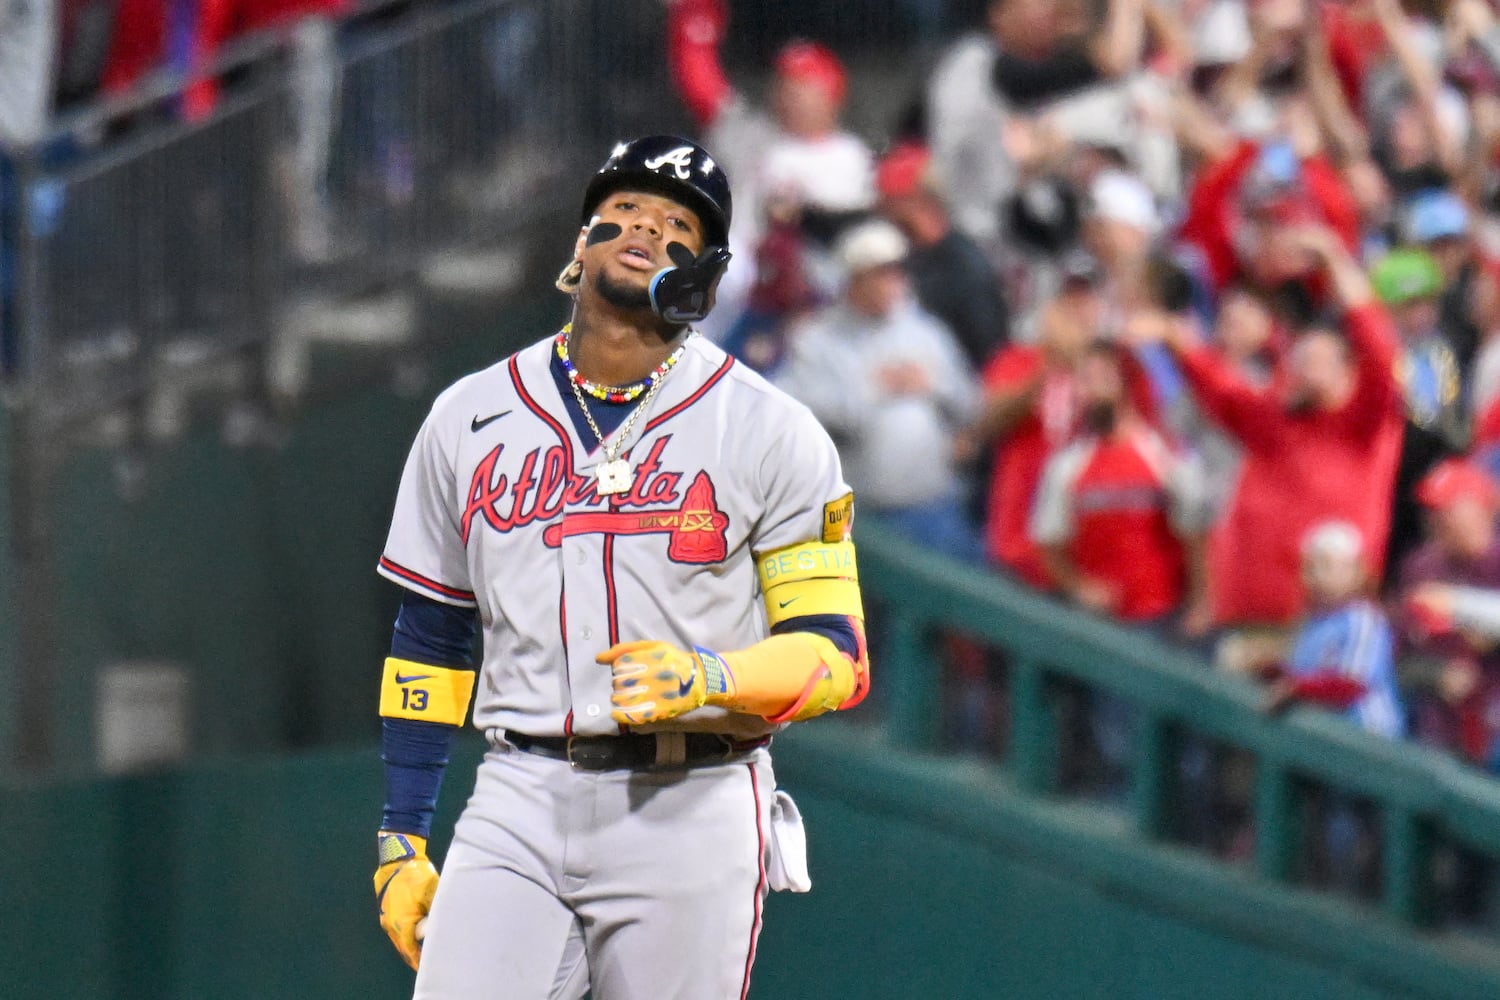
627,243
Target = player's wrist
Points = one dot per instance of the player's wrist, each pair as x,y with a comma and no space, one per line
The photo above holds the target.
718,677
392,846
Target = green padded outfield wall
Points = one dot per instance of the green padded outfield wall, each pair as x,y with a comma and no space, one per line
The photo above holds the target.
250,880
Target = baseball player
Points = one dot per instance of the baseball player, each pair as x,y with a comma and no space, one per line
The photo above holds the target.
655,543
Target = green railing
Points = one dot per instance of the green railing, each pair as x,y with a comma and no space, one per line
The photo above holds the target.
1419,795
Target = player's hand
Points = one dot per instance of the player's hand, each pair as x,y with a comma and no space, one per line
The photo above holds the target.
404,885
656,681
684,293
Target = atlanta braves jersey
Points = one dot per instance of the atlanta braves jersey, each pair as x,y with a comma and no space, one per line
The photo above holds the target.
498,509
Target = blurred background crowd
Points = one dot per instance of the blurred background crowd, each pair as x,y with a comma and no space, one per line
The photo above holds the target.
1184,311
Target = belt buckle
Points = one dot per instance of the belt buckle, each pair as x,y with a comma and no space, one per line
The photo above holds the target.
602,760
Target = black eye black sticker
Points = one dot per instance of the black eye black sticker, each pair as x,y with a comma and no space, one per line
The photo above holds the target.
602,233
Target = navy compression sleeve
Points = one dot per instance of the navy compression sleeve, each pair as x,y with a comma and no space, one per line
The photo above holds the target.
415,753
836,628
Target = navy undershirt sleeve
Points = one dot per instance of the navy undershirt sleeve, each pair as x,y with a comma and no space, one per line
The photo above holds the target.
837,628
416,753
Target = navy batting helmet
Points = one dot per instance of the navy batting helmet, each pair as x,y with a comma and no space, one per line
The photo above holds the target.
671,166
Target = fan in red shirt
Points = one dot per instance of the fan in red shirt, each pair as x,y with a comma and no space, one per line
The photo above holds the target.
1120,514
1242,206
1030,409
1324,447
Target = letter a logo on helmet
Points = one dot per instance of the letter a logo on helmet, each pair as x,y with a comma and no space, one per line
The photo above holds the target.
668,165
680,158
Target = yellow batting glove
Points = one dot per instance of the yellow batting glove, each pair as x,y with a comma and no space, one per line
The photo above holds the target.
656,681
404,885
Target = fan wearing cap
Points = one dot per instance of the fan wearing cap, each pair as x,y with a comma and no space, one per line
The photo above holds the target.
1323,446
1342,654
794,160
1342,659
1410,282
1447,602
1242,205
1120,221
1031,408
893,387
1438,221
951,276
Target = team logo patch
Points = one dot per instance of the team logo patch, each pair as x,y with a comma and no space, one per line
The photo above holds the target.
838,519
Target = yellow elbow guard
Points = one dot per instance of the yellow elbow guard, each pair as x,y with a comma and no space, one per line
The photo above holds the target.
426,693
833,684
795,676
814,578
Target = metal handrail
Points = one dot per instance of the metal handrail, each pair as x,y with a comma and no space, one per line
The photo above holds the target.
1416,789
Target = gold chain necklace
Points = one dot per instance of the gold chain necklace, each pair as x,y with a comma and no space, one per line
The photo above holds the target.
614,474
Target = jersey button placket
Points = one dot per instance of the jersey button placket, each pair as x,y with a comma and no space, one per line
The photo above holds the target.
588,599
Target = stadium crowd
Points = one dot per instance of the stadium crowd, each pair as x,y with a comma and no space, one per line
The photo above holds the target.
1187,312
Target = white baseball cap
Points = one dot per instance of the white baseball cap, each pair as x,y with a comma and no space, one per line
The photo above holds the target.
1338,539
1221,35
1123,197
871,244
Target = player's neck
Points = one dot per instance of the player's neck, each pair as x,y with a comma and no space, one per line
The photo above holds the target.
613,347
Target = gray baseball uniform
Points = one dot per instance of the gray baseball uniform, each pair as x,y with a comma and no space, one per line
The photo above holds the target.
638,883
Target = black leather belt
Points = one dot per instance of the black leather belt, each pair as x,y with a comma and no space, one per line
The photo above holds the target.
637,751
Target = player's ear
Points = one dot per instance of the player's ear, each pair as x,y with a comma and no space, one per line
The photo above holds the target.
568,280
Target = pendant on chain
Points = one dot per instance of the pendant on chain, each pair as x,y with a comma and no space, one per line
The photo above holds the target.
614,477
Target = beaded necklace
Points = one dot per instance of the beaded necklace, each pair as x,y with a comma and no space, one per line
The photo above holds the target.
612,393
